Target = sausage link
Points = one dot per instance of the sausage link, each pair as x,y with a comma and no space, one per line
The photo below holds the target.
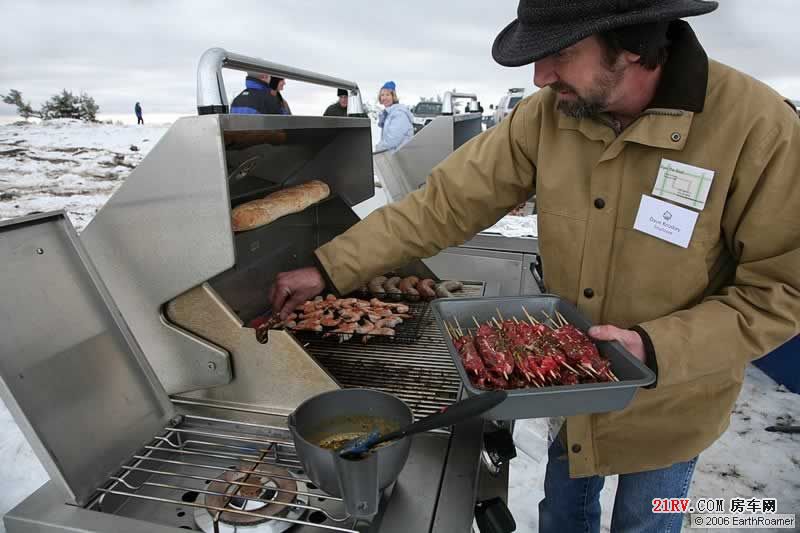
376,285
407,285
390,285
425,288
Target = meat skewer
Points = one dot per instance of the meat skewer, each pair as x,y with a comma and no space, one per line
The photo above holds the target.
520,354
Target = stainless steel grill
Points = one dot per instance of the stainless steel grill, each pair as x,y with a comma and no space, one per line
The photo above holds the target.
421,374
147,322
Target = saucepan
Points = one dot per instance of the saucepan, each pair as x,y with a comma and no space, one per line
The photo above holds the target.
353,443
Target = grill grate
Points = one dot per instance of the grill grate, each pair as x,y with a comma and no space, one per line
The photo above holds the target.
421,374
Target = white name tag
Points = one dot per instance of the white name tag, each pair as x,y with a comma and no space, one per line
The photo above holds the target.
665,221
683,184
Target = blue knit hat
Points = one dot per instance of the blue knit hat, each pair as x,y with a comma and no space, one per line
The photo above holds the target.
389,85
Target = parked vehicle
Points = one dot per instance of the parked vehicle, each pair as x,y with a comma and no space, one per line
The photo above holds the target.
424,113
508,102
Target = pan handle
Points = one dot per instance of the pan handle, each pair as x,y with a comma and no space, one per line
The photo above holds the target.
211,97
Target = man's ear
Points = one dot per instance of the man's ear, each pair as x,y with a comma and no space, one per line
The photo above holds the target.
630,58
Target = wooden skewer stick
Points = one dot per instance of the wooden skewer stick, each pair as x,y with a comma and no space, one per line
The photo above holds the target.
497,323
554,375
459,326
570,368
530,318
561,318
590,369
477,324
550,319
499,313
612,375
447,328
515,320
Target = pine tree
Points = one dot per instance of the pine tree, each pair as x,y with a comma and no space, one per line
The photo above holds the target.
14,97
88,109
62,105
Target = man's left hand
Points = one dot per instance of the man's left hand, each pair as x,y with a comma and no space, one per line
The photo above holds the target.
629,339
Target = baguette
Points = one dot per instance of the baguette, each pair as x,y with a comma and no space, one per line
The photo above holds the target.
261,212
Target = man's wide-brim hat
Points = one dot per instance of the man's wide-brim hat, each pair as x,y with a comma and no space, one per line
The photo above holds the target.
544,27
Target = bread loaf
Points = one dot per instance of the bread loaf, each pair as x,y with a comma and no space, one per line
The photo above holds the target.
258,213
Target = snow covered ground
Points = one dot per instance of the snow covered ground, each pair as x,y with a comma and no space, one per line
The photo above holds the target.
74,166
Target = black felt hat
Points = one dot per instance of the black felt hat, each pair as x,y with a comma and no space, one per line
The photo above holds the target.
544,27
341,92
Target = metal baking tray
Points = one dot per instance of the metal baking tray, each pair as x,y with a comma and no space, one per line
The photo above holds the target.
560,400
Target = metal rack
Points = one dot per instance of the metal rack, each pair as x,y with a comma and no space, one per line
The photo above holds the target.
181,467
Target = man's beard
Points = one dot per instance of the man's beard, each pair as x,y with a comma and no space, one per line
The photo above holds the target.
595,102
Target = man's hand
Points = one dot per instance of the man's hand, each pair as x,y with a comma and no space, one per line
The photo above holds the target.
293,288
629,339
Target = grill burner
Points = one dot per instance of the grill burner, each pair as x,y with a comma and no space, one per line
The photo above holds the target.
251,492
255,493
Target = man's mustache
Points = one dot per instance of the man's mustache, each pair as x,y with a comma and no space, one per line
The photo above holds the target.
560,86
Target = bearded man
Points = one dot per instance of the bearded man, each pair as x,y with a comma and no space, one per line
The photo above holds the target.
668,203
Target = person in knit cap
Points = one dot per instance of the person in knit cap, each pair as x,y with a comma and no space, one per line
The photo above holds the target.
667,196
396,121
339,107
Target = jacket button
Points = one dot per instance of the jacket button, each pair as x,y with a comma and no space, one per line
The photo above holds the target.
599,203
675,136
588,292
576,448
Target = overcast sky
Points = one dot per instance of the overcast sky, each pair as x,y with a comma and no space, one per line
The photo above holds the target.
121,52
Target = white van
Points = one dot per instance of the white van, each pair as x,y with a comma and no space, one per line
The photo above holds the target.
508,102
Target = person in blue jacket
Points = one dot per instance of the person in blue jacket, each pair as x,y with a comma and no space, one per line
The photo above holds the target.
138,110
396,121
257,97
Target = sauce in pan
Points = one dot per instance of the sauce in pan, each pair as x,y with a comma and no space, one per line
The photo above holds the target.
339,431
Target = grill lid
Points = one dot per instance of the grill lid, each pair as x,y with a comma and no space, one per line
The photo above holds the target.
71,374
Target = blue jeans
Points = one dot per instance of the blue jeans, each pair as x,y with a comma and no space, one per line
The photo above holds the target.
573,505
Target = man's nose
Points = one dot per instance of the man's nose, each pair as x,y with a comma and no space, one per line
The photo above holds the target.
544,72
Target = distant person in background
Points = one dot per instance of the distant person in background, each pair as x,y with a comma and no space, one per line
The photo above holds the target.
138,110
396,121
256,99
338,108
281,106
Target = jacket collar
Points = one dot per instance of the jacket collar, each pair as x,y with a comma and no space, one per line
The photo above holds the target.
254,83
685,75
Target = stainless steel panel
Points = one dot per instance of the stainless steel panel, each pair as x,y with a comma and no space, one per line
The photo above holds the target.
454,513
493,241
502,271
277,376
528,284
71,373
44,511
167,229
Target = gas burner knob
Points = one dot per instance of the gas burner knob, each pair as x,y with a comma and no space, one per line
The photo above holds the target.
493,516
498,447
